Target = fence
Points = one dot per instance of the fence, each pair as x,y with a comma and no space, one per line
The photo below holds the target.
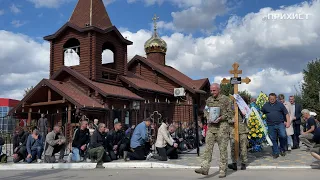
184,117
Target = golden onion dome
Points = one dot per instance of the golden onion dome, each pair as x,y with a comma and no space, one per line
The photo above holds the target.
155,43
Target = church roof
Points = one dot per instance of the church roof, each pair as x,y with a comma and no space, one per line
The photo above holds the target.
140,83
102,88
199,83
76,96
171,73
64,89
90,13
72,26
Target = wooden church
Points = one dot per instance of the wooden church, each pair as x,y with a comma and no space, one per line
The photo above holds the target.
95,88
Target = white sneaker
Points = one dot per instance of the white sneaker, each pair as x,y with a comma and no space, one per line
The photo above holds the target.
149,156
69,158
39,160
289,148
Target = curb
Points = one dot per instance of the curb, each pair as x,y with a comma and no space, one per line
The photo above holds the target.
125,165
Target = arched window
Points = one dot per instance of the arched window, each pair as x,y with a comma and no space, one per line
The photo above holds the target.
71,52
108,55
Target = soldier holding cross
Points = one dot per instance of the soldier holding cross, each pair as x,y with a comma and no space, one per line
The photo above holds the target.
243,140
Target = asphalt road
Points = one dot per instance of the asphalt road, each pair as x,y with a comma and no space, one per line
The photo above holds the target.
155,174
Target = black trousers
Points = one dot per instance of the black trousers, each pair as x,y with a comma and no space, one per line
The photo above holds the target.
121,148
112,155
295,136
165,152
22,154
140,152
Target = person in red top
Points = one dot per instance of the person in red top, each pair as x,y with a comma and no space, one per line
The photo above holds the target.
205,129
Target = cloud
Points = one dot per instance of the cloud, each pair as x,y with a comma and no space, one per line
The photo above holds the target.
1,12
283,47
58,3
17,23
107,2
198,15
271,52
21,58
48,3
193,14
270,80
147,2
14,9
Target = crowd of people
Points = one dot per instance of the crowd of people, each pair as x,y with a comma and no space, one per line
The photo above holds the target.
94,142
289,127
287,123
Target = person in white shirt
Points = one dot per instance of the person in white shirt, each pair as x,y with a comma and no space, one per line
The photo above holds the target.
165,145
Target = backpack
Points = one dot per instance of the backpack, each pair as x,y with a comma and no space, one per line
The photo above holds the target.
3,158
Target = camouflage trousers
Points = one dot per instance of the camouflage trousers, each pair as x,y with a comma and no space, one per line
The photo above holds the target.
211,139
243,144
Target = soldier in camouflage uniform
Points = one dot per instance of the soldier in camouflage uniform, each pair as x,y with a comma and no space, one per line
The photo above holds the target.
218,132
243,141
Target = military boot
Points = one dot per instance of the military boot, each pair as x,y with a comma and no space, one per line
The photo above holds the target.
222,174
243,166
233,166
202,171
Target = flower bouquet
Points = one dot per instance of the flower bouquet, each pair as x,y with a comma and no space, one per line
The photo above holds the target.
258,135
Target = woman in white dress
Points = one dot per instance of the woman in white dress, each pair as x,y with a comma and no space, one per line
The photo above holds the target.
289,130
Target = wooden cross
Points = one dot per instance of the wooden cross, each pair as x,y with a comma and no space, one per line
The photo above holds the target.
236,73
156,116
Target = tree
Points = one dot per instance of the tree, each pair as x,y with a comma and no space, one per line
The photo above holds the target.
245,93
26,91
311,86
226,89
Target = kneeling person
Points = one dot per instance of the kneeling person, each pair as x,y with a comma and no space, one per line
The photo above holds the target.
315,151
97,146
117,138
55,142
19,146
34,146
139,142
165,144
80,141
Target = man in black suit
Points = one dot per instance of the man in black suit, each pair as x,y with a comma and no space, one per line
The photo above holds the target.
296,108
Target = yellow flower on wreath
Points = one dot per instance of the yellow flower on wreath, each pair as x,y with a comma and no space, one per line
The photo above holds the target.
253,123
260,135
254,135
249,137
253,129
